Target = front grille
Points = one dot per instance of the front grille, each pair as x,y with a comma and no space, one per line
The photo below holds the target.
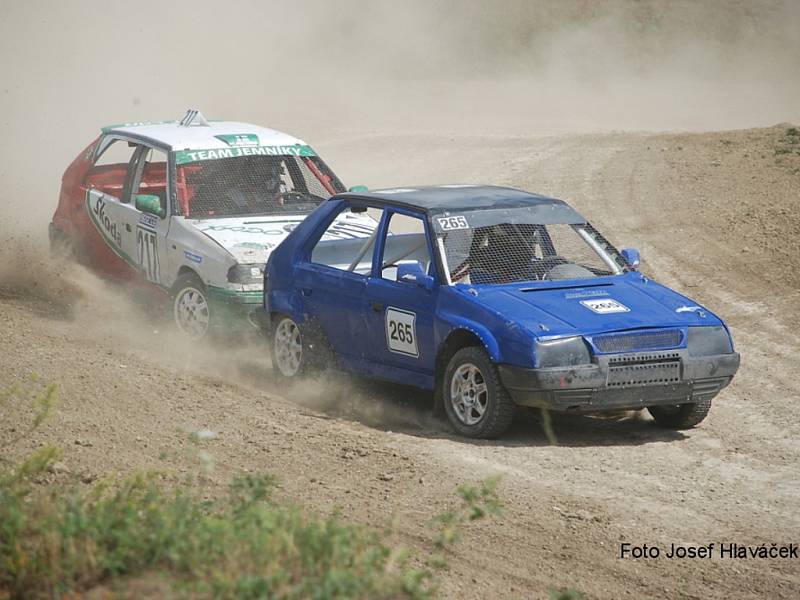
659,369
638,340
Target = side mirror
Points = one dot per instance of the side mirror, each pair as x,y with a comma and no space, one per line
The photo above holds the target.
358,188
412,272
148,203
631,257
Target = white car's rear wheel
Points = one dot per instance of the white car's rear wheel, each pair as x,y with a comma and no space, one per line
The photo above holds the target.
190,307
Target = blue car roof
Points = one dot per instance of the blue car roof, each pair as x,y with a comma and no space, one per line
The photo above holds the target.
446,198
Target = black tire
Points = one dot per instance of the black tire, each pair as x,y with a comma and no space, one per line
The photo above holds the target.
498,407
191,312
314,355
680,416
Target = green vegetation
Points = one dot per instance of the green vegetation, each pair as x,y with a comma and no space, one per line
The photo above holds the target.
56,540
477,503
33,396
565,594
243,546
788,144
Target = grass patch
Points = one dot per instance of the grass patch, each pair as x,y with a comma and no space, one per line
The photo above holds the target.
57,541
477,502
62,540
34,397
788,143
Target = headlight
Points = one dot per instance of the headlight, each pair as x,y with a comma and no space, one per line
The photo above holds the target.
246,274
562,352
708,341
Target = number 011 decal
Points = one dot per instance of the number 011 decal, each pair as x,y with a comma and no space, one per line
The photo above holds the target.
147,254
401,331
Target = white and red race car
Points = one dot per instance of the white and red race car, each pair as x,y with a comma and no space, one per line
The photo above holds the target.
193,208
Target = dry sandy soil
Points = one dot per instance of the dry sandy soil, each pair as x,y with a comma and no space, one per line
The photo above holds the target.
716,216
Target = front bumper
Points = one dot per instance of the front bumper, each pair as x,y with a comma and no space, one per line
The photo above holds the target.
234,309
622,381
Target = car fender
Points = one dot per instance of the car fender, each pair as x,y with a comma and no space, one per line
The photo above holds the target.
454,323
287,303
188,248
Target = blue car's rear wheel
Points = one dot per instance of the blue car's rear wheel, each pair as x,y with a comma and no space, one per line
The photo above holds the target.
298,350
287,348
475,401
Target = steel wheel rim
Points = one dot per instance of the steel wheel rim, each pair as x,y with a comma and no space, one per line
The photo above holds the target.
288,348
191,312
469,394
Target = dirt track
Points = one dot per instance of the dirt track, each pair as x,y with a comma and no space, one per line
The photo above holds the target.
716,216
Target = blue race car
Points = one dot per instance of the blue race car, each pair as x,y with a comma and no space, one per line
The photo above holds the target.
492,298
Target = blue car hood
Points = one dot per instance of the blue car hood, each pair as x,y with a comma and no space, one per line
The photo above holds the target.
615,303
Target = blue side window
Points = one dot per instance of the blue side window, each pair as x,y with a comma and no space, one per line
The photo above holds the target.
406,242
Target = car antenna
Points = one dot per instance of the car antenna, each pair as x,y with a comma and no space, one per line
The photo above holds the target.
193,118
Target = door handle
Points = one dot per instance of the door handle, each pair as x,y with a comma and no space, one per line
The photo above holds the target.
376,306
306,291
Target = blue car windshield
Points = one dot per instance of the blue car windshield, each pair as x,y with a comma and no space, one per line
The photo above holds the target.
504,252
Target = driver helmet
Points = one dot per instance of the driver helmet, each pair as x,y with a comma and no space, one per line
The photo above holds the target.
271,174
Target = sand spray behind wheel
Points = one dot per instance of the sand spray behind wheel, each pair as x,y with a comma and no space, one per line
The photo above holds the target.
137,326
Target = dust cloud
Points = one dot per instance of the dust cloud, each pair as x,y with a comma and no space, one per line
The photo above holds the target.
349,70
137,321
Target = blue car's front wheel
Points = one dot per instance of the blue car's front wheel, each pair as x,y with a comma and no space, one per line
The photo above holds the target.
475,401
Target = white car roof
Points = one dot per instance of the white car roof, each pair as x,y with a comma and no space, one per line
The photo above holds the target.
196,136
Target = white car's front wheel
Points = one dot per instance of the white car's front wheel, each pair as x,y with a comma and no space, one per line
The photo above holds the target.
190,307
